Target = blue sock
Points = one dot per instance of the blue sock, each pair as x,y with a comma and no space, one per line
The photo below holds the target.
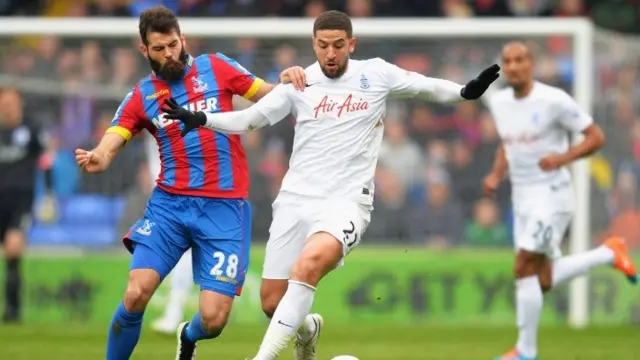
124,333
196,332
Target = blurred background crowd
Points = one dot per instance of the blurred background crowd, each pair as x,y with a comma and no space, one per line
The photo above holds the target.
433,158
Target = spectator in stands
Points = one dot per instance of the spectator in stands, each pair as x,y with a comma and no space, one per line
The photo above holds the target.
435,221
485,228
401,155
389,221
466,176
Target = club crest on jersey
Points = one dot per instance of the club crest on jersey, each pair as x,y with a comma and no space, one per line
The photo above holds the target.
199,85
535,118
364,82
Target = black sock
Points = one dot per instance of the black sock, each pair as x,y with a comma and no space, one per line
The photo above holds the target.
12,287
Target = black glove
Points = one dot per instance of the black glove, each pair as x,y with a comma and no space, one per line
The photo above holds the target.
476,87
190,119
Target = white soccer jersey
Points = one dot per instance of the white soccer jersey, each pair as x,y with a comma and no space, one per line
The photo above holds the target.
534,127
339,125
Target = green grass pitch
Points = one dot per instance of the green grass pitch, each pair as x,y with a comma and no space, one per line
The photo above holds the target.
365,342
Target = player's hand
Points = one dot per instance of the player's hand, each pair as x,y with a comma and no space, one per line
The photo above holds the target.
90,161
553,162
190,119
490,184
476,87
294,75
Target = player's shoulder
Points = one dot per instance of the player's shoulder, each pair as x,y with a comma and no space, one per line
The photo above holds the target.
376,65
550,92
501,95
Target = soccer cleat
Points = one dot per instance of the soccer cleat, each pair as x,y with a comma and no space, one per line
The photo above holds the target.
515,355
621,259
164,326
307,350
186,350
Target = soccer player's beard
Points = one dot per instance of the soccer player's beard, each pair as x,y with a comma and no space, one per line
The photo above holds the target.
339,71
172,70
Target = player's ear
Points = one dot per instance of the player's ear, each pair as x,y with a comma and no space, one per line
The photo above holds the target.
144,50
352,45
183,40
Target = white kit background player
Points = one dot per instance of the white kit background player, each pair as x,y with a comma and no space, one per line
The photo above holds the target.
326,198
534,121
181,277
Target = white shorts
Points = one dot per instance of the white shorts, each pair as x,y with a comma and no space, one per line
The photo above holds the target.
294,220
542,214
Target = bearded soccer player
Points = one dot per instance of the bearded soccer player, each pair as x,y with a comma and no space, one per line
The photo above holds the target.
200,198
534,121
326,199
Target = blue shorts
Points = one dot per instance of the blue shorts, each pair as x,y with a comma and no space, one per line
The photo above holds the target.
217,230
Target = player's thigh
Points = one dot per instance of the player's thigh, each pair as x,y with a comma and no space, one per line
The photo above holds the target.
345,221
221,246
542,232
161,234
287,236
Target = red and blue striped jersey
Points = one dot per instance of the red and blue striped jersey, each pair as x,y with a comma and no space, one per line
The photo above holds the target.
203,163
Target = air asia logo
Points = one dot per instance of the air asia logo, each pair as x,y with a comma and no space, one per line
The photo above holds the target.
206,105
522,139
348,105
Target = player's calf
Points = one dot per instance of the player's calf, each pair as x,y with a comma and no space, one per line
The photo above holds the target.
126,324
13,248
271,292
528,302
208,323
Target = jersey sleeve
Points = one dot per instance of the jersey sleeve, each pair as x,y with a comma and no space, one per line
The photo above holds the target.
239,80
127,121
571,116
277,104
402,83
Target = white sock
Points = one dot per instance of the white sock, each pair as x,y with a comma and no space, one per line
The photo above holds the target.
529,307
181,281
288,318
308,328
572,266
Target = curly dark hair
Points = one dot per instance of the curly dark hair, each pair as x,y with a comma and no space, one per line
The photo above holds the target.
333,20
157,19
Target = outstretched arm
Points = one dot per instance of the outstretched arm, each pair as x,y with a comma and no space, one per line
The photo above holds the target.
274,107
403,83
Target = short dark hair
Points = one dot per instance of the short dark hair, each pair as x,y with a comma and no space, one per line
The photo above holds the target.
333,20
157,19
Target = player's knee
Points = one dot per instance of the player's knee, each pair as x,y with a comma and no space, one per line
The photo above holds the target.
141,286
545,283
526,265
308,268
136,298
13,244
214,321
545,278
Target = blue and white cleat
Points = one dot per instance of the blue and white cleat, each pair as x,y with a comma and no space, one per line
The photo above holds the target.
307,350
515,355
